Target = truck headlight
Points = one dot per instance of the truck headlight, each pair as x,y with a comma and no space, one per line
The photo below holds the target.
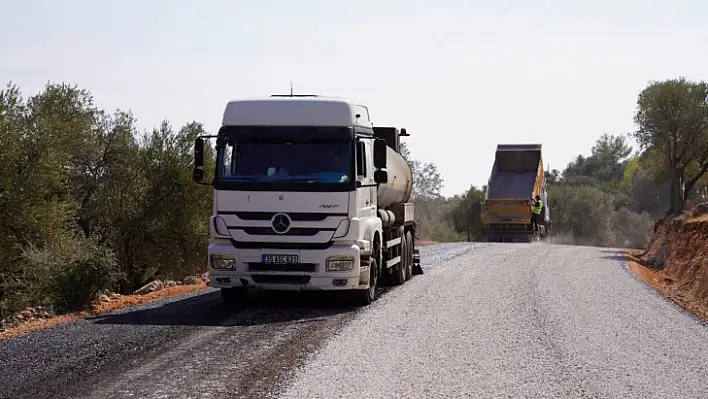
340,263
223,262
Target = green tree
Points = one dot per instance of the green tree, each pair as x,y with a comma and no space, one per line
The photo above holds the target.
606,162
646,185
427,179
586,214
431,207
672,118
553,176
466,216
606,198
44,138
88,203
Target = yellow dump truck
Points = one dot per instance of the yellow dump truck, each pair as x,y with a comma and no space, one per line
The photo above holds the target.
517,177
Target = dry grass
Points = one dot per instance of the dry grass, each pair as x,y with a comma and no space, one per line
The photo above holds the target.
99,308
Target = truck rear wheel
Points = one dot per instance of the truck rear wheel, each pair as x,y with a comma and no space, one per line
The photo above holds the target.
400,271
409,255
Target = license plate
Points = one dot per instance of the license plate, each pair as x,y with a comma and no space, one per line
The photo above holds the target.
279,258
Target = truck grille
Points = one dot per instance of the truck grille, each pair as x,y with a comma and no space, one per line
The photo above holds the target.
266,229
295,231
295,216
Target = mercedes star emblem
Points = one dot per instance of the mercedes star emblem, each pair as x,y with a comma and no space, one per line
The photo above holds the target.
280,223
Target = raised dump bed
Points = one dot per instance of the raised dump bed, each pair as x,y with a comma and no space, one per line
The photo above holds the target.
517,176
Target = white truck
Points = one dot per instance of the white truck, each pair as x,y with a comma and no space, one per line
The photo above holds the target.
308,195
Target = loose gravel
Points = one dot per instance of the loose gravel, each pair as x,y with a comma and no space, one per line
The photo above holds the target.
191,346
485,320
515,320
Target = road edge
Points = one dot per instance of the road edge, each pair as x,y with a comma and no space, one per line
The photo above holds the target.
98,309
124,302
657,283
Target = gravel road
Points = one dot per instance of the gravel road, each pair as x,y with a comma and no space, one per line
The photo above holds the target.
515,321
190,346
485,320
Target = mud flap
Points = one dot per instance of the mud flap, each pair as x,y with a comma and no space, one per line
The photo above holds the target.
417,269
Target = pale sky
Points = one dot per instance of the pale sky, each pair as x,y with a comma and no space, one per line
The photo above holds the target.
460,75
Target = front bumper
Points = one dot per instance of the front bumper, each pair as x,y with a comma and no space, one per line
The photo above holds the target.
307,275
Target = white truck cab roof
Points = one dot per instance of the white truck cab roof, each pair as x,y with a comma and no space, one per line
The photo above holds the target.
295,111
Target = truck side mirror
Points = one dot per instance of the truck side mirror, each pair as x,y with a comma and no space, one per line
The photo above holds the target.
381,176
198,170
380,153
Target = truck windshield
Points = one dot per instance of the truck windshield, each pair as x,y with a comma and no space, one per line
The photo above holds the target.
283,160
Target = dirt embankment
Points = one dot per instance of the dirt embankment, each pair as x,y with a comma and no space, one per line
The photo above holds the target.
676,262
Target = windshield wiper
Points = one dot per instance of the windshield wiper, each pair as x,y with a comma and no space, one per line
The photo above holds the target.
299,178
271,179
250,178
323,177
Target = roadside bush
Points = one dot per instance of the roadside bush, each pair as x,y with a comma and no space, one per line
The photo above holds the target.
433,225
76,269
634,228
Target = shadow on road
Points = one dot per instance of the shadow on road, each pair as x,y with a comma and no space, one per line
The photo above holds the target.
208,310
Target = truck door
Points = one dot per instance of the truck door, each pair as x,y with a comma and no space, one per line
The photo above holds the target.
366,193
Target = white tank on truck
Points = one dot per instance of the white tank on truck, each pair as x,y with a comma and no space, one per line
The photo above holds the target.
400,185
308,195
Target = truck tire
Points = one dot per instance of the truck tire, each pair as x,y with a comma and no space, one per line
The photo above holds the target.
367,296
234,295
409,255
398,277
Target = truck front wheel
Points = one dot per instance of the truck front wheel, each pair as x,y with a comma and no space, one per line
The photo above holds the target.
367,296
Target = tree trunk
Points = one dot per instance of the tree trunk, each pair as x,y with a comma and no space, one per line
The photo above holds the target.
691,183
678,200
